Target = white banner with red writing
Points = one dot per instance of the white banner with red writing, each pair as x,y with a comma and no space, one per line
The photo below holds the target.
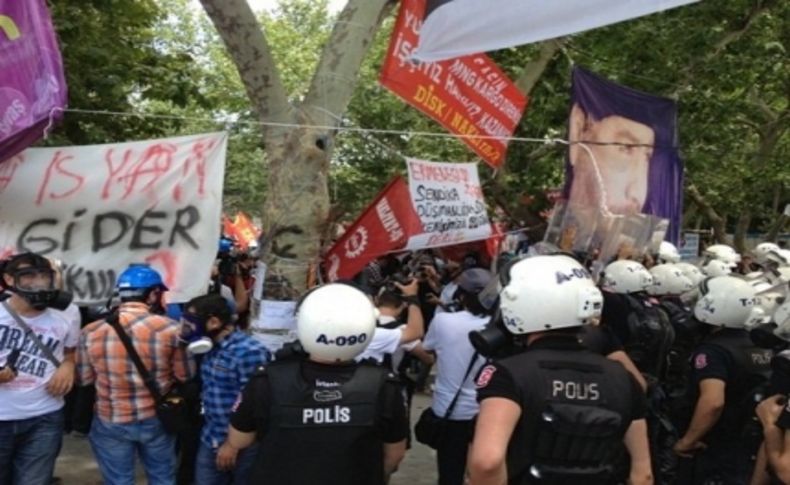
99,208
469,96
442,205
449,201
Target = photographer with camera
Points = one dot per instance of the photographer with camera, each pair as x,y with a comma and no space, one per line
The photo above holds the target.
392,335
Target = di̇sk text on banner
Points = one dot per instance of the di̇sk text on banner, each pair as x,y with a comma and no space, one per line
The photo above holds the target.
467,96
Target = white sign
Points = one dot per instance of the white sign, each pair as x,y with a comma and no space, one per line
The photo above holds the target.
449,201
689,246
99,208
275,325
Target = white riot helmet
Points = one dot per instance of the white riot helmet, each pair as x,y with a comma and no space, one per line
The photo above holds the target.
722,252
782,320
715,268
625,276
761,251
779,258
668,253
335,322
668,279
548,293
729,302
691,272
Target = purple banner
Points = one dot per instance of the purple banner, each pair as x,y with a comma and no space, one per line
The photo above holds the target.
623,159
31,74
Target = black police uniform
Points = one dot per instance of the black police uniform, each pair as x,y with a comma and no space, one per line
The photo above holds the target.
688,333
729,355
643,328
321,424
576,407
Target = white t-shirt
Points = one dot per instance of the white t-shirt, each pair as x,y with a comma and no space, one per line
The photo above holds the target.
447,296
387,341
448,336
27,396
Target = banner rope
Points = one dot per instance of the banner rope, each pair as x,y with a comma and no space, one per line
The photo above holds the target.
352,129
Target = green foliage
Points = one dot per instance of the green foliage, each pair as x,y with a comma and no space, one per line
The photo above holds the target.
726,67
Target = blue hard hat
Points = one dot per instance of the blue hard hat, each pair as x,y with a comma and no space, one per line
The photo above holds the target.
225,245
139,276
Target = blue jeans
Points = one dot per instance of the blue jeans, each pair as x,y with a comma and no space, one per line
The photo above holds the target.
206,472
116,446
28,449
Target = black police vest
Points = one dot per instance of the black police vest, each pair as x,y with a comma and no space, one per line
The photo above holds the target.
574,417
752,367
650,335
327,435
687,335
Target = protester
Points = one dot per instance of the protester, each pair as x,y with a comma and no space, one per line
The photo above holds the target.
392,338
126,424
224,371
448,337
37,352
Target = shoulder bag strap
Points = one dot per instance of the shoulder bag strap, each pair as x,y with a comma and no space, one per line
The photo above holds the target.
460,387
29,332
114,321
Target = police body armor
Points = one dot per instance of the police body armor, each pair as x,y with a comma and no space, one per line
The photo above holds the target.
571,429
745,390
650,335
688,332
327,435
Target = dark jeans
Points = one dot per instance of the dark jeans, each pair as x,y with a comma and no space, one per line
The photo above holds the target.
206,472
452,450
28,449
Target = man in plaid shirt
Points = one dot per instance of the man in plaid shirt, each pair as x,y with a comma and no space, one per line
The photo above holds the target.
125,423
225,369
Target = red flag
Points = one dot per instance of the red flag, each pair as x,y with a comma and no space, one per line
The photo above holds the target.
385,225
468,95
246,231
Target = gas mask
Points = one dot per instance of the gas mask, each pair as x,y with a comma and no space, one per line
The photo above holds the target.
36,286
194,334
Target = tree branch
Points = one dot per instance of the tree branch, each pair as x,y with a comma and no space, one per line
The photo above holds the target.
717,221
336,77
535,68
247,45
732,36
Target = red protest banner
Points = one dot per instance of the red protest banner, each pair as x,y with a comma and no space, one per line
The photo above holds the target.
386,224
469,96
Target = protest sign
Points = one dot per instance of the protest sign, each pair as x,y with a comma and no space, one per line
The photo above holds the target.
467,96
448,199
459,27
689,246
99,208
32,87
385,225
622,162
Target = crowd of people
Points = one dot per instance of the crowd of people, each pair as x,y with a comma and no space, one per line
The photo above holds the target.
654,370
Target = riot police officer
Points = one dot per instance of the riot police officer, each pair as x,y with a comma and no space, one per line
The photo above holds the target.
669,283
727,375
324,418
636,317
557,412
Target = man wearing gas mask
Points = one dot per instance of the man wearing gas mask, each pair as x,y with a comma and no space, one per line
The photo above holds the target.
230,358
36,369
